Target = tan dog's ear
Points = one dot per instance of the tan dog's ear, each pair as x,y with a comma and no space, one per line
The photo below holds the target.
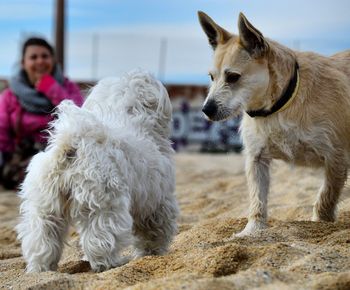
251,38
216,34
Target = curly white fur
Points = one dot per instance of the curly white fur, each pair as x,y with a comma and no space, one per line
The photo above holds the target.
108,170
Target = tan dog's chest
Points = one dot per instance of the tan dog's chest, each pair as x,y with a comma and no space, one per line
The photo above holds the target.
291,147
288,144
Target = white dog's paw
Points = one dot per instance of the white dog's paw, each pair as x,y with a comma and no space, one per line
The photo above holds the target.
37,268
123,260
323,217
157,251
101,267
251,228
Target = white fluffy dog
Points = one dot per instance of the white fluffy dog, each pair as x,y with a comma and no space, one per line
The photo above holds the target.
108,170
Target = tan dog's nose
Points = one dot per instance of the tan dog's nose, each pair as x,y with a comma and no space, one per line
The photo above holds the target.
210,109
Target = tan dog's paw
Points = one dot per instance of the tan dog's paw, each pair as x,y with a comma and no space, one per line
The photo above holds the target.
251,228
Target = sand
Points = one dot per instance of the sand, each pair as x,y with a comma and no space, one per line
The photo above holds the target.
293,253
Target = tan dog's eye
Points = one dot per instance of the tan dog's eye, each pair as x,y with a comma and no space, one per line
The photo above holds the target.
232,77
211,76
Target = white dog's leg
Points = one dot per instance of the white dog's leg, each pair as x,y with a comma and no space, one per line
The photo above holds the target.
42,238
258,177
155,232
104,232
42,228
328,196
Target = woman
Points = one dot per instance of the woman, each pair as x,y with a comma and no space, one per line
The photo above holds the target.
26,108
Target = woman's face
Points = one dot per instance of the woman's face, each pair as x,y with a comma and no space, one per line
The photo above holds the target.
37,61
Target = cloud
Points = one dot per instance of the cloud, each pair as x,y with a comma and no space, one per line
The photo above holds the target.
17,10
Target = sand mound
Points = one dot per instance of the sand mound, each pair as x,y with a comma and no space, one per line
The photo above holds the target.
294,253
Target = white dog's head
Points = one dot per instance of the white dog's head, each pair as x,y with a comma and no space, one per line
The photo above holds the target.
137,95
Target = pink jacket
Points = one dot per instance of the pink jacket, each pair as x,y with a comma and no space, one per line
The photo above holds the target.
16,123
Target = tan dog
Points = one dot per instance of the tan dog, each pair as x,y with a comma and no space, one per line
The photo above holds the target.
296,108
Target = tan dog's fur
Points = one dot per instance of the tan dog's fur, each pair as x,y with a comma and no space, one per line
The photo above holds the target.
314,130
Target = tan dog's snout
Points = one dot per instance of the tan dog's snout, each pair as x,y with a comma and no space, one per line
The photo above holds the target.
210,109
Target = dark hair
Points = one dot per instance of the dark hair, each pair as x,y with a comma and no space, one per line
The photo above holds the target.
37,41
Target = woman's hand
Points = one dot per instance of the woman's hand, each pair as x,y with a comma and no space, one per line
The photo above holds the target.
39,78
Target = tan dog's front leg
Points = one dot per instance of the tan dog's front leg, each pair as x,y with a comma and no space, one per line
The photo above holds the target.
328,196
258,177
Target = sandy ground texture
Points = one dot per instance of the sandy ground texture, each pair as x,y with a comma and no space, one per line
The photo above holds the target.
294,253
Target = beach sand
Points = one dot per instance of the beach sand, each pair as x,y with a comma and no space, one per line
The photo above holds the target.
293,253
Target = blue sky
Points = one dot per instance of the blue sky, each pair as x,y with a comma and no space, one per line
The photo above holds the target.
133,33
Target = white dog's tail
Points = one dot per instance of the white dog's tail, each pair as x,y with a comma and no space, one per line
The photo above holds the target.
72,124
